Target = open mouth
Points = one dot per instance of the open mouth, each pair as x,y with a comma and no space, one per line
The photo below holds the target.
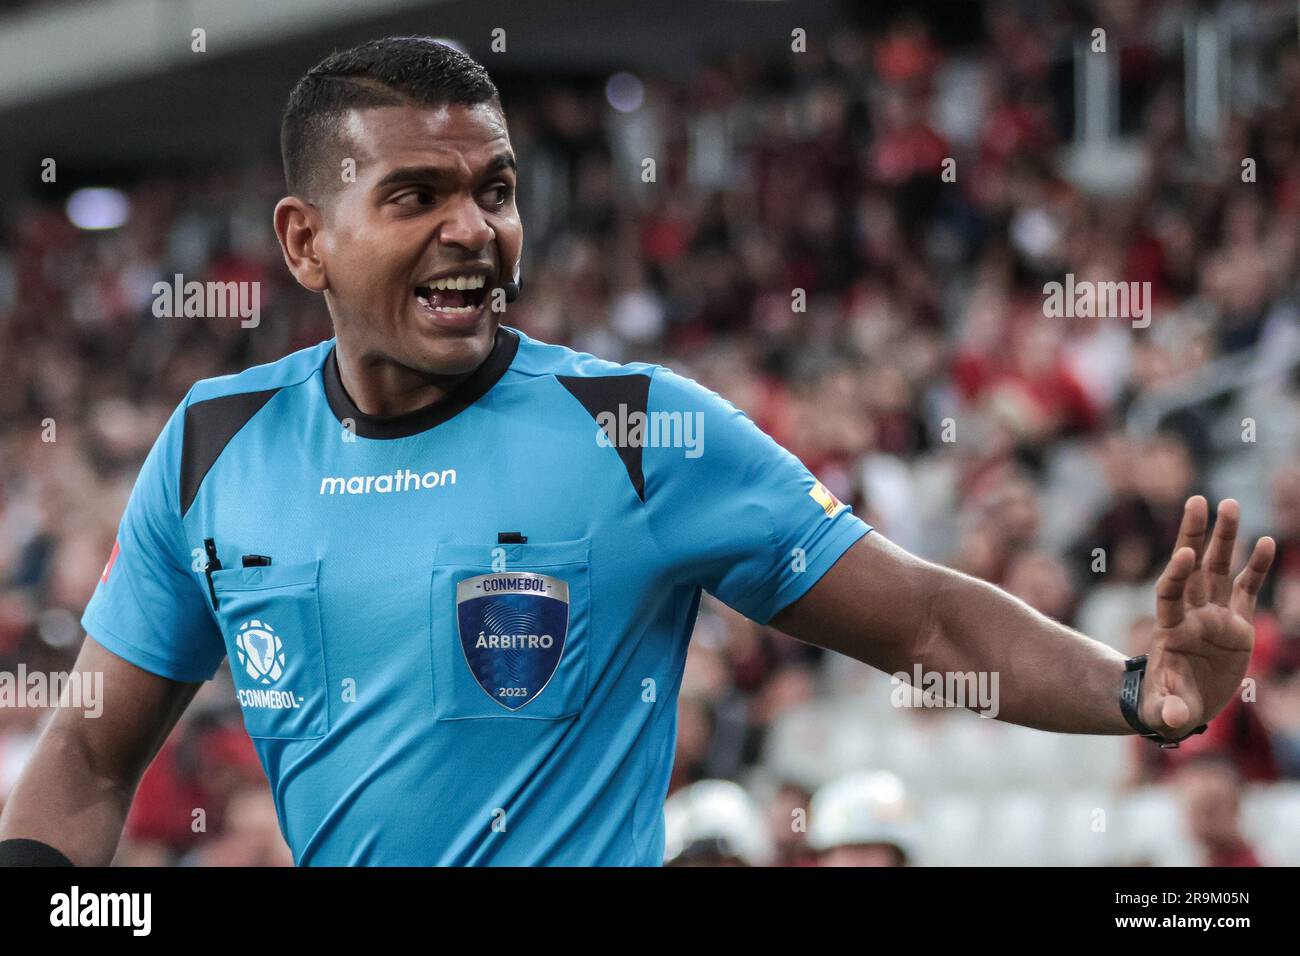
453,295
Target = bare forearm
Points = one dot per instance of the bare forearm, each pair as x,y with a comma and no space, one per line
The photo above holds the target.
894,611
62,801
75,791
1047,675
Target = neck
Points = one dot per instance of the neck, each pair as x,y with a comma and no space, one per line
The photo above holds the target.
382,387
379,398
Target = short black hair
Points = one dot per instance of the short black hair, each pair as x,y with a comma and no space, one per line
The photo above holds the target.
394,71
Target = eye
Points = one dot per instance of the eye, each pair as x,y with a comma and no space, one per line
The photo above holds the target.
496,195
414,198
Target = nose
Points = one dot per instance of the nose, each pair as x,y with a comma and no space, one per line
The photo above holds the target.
465,226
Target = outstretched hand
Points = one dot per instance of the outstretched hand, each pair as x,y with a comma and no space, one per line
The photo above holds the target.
1204,622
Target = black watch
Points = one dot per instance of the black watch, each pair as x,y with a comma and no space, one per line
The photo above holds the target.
1135,668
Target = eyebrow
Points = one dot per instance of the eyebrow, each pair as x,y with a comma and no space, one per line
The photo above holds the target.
405,175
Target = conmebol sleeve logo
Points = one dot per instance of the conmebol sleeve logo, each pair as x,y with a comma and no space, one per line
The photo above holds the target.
108,565
823,496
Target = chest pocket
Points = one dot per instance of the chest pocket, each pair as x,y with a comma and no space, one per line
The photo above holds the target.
511,630
270,620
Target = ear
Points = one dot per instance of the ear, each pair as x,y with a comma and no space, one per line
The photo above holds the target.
297,226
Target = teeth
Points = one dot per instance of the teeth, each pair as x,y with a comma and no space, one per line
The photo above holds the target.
459,283
458,310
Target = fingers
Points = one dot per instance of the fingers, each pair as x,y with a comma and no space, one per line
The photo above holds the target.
1191,534
1217,565
1175,713
1196,517
1172,585
1246,588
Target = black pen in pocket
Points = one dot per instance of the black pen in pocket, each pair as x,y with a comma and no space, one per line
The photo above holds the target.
214,564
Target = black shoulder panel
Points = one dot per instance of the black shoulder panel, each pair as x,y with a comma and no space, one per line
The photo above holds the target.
209,426
605,393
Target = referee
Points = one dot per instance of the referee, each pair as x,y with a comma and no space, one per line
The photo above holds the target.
455,569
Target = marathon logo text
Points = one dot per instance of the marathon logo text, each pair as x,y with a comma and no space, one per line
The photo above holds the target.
404,480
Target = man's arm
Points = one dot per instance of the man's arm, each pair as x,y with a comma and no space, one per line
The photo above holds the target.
888,608
76,789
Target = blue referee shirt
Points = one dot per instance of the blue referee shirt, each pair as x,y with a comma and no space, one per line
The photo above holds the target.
457,635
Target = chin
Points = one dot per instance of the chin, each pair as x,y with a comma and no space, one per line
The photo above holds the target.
454,354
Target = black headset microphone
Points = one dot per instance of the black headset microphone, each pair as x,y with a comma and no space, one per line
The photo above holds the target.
513,287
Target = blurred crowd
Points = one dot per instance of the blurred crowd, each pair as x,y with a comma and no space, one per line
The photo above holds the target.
851,244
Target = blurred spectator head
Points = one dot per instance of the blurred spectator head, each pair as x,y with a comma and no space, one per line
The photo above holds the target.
862,819
787,807
250,835
714,823
1211,791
